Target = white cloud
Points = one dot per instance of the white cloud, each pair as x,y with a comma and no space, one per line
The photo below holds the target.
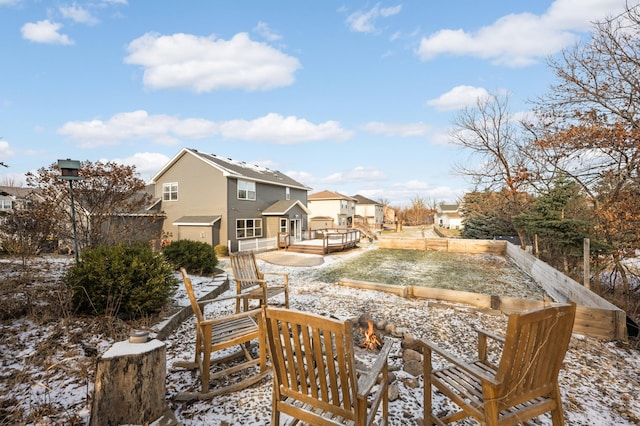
161,129
147,163
524,38
458,98
78,14
283,130
9,2
406,191
442,138
204,64
341,179
357,174
264,31
365,21
169,130
401,130
303,177
5,151
44,32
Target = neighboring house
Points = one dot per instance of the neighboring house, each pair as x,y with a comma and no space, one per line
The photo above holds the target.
370,212
341,208
389,214
321,222
141,224
13,197
218,200
448,216
115,226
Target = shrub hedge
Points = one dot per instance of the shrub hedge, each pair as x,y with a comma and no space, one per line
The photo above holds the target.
127,281
196,257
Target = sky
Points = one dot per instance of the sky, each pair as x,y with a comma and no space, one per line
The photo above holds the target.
352,97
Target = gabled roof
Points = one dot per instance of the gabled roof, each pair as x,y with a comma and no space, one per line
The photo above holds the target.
449,207
364,200
329,218
328,195
283,206
235,169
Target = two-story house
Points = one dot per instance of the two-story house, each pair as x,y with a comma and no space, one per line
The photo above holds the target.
332,209
218,200
369,212
448,216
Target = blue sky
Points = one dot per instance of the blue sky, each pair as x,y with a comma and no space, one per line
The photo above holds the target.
353,97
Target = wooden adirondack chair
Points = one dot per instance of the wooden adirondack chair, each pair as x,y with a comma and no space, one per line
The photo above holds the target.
315,378
217,334
252,284
522,386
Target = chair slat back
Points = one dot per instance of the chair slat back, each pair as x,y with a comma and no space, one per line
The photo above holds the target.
313,360
535,346
245,267
192,297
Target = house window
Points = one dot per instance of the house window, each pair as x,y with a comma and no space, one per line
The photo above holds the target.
248,228
246,190
170,191
343,204
5,204
287,193
284,225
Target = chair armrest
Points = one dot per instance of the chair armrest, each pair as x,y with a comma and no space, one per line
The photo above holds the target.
490,334
469,368
250,280
370,377
224,299
282,274
252,313
483,348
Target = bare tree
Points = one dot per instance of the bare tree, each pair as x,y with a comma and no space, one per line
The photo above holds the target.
31,226
588,128
499,149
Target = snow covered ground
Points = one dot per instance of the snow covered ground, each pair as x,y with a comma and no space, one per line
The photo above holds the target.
600,381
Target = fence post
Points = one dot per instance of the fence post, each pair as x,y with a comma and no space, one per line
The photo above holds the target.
587,268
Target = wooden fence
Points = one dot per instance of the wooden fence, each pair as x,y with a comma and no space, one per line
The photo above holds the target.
595,316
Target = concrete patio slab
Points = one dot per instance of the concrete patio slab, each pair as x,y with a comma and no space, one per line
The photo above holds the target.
291,259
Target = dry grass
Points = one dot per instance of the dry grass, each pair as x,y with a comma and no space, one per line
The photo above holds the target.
45,344
479,273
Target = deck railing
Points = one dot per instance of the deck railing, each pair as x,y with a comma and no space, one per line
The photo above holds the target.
258,244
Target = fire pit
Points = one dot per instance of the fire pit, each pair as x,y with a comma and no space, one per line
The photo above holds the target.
371,340
369,334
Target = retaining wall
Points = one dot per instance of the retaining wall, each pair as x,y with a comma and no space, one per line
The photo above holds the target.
595,316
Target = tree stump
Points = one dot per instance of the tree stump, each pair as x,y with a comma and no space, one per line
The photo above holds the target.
130,384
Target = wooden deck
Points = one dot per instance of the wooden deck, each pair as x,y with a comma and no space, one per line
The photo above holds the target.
327,241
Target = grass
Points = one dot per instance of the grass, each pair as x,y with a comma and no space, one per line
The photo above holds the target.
478,273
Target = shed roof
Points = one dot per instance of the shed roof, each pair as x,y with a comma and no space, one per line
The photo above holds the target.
197,220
